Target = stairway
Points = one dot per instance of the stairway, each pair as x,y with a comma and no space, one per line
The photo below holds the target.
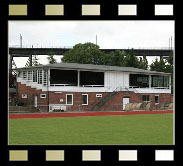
104,100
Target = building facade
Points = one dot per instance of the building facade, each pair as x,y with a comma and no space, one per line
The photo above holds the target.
85,87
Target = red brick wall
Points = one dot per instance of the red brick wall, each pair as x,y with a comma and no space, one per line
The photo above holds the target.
31,92
77,99
114,104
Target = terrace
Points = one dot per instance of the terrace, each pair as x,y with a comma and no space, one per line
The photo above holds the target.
76,78
93,78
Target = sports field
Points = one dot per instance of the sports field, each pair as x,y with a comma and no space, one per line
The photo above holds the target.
101,130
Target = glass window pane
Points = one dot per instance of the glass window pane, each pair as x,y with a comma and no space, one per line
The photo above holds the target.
69,99
84,99
145,98
156,99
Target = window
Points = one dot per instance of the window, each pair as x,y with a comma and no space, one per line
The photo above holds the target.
139,80
25,75
42,96
145,98
160,81
35,76
156,99
30,75
84,99
166,81
24,96
69,99
40,75
98,95
45,80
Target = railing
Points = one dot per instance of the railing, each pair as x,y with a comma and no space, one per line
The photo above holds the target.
62,85
92,85
40,46
76,85
134,88
69,47
160,87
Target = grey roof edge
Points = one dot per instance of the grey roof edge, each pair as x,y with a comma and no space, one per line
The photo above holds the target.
94,67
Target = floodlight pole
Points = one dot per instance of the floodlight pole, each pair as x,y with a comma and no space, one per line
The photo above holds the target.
20,41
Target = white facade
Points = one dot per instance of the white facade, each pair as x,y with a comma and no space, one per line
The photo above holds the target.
116,79
113,80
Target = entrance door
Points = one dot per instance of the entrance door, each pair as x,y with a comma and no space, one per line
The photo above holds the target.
125,101
35,101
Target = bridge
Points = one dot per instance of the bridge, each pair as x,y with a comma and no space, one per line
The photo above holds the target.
28,52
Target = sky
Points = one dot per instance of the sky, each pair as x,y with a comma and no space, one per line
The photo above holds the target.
110,34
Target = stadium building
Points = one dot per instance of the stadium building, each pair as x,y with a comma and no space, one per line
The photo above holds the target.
86,87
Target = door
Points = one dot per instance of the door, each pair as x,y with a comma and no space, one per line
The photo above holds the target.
35,101
125,101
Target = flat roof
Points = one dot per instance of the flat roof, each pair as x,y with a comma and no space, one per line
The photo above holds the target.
78,66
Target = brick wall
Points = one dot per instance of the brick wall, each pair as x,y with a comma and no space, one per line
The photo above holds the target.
114,104
31,93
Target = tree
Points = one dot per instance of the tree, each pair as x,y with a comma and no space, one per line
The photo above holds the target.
131,60
87,53
51,58
169,66
35,61
117,58
28,63
143,63
158,65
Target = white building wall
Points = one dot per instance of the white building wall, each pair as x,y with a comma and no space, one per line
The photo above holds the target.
116,79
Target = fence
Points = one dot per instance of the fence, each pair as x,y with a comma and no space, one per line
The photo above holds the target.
85,108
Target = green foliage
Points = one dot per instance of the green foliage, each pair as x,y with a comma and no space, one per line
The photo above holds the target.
35,61
131,60
117,58
51,58
87,53
158,65
170,58
143,63
163,65
28,63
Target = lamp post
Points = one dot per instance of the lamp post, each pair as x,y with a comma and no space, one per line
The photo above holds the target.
20,41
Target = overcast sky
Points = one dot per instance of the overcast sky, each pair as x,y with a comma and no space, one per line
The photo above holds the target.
110,34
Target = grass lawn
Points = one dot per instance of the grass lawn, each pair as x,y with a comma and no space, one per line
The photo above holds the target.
122,129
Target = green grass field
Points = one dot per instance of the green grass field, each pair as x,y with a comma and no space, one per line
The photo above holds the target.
122,129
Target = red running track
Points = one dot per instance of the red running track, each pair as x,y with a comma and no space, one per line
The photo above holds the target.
51,115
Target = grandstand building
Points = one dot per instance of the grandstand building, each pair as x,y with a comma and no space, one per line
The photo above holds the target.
86,87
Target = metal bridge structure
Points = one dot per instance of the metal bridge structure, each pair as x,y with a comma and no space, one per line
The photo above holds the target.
29,52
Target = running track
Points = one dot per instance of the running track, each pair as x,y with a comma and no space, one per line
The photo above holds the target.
51,115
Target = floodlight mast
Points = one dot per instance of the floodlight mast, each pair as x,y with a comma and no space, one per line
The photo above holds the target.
20,41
